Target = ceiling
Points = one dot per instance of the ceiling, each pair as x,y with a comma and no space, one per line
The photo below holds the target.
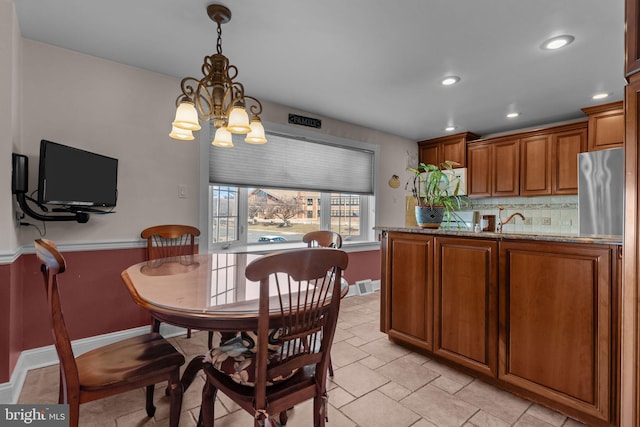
366,62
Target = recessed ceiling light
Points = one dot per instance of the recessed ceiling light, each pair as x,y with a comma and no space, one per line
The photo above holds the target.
450,128
450,80
512,115
557,42
600,96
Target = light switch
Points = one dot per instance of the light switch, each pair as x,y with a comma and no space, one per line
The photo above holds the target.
182,191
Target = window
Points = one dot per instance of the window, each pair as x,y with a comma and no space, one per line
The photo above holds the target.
295,185
277,216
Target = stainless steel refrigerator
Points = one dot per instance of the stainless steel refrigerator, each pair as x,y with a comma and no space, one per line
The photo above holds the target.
601,192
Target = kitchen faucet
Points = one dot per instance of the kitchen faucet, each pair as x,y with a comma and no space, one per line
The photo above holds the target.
509,218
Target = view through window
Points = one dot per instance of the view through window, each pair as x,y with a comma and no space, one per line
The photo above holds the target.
277,215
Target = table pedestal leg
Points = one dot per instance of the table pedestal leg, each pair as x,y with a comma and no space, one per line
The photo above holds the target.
190,373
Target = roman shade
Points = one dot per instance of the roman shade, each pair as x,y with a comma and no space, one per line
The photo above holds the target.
293,163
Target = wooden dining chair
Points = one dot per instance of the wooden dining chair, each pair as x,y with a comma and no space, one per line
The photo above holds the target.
285,363
323,239
164,241
326,239
137,362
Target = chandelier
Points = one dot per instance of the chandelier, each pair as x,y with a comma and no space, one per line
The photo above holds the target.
217,98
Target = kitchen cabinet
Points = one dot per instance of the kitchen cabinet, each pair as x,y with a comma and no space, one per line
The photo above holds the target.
549,160
606,126
536,165
494,168
557,327
538,318
450,147
566,145
408,265
466,302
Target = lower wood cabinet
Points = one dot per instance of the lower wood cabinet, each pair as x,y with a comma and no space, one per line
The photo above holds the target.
538,318
466,302
557,331
409,266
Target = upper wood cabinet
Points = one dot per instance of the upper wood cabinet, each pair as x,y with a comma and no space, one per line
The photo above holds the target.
450,147
566,146
494,168
536,165
606,126
549,161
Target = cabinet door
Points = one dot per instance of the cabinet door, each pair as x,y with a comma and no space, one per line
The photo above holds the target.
409,288
466,302
455,150
506,168
479,170
606,126
566,147
535,164
429,154
556,323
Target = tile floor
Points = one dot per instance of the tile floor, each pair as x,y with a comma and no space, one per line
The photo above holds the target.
376,383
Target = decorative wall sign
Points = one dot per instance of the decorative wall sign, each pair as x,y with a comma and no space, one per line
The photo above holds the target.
305,121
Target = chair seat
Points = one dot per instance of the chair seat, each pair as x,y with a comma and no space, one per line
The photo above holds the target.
127,361
236,357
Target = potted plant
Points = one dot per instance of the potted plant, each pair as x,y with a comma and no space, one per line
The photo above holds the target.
435,189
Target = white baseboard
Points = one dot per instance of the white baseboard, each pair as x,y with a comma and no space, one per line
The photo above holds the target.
46,356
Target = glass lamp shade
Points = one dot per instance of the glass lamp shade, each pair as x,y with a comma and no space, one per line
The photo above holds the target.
186,116
238,120
181,134
222,138
256,136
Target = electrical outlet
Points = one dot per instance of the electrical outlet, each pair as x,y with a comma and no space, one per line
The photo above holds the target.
546,220
565,222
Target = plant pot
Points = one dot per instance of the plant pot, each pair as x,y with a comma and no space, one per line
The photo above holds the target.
429,216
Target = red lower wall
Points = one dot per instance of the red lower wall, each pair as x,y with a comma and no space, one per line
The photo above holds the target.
94,297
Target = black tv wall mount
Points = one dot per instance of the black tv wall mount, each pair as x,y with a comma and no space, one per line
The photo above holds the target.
19,187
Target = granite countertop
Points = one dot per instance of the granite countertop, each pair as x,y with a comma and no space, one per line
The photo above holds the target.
567,238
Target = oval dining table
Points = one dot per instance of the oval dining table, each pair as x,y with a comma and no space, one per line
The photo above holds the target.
203,291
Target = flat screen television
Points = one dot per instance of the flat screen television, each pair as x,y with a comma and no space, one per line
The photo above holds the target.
69,176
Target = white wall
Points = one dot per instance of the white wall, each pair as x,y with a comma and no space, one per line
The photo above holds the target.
125,112
9,119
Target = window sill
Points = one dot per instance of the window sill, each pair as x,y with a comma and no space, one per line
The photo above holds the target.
358,246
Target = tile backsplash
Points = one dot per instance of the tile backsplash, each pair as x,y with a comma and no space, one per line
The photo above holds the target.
546,214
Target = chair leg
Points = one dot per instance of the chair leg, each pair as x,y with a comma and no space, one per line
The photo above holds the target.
284,417
330,367
74,414
188,332
151,409
210,341
318,415
208,403
155,325
176,393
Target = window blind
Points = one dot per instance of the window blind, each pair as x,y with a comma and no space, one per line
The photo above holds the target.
293,163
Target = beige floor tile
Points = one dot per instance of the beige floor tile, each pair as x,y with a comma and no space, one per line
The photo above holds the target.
368,332
547,415
384,350
343,353
356,341
377,410
410,375
448,372
483,419
371,362
447,385
358,380
573,423
395,391
496,402
338,397
530,421
341,335
423,423
439,407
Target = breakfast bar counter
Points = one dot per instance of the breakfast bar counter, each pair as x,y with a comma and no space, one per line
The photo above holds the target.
534,314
